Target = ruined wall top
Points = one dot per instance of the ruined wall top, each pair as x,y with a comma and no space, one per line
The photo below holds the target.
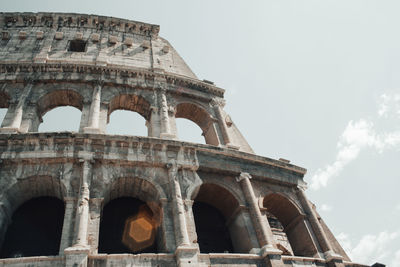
66,38
56,20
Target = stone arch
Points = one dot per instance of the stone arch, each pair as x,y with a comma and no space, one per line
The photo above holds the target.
230,231
23,191
287,219
130,102
140,188
201,117
58,98
133,190
31,187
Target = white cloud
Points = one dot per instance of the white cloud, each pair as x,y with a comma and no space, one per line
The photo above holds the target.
357,136
390,104
326,207
371,248
396,259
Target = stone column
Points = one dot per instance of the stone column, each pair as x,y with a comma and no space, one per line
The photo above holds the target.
77,255
83,206
323,241
16,120
68,224
181,234
261,225
95,205
185,254
164,117
217,104
94,113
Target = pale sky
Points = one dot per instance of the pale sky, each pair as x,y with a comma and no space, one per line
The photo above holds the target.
316,82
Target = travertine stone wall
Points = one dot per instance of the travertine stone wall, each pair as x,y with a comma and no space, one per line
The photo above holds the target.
126,65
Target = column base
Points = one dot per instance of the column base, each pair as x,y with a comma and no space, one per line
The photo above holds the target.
76,256
333,259
9,130
186,256
265,251
91,130
167,136
230,146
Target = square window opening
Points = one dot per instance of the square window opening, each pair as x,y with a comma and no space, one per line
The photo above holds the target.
77,46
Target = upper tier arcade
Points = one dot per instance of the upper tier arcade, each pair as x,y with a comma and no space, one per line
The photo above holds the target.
99,65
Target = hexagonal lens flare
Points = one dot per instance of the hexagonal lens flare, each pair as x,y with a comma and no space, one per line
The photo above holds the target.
140,230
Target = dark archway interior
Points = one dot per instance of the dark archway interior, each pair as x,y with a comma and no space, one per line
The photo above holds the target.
114,220
35,229
212,233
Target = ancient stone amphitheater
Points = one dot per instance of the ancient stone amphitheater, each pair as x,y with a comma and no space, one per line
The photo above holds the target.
91,199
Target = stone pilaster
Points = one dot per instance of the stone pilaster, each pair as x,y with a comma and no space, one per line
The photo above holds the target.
94,113
185,254
77,254
95,206
217,104
329,254
15,122
164,117
261,225
181,234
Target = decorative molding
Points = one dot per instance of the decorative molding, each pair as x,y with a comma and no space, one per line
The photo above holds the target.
59,20
108,71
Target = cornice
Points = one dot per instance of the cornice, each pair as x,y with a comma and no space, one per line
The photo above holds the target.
73,20
18,141
110,73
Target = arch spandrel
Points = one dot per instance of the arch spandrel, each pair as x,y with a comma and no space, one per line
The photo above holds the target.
131,102
126,186
58,98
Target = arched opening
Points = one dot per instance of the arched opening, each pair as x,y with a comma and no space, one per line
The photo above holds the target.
200,117
128,226
220,225
35,229
189,131
125,122
59,111
4,103
287,223
123,115
212,233
61,119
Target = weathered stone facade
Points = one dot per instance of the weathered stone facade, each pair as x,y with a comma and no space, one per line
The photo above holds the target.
101,64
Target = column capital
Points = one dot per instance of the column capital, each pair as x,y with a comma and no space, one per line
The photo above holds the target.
217,102
99,82
243,175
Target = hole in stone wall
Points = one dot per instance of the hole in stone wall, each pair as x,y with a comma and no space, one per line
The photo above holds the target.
189,131
127,226
35,229
59,119
124,122
212,233
77,46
